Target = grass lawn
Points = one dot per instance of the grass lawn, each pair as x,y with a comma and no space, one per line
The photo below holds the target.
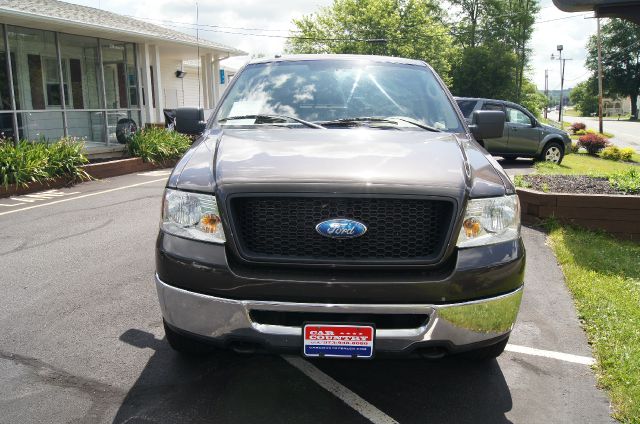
583,164
603,275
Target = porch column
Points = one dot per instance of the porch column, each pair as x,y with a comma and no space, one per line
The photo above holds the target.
212,83
12,95
205,80
157,83
146,82
216,79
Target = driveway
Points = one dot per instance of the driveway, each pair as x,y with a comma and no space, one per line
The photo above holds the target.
627,133
81,338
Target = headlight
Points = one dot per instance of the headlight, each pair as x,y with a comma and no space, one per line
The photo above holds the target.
489,221
191,215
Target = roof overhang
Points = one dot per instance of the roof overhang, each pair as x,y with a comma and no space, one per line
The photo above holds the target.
174,48
623,9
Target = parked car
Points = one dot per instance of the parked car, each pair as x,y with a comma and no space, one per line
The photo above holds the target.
338,206
524,136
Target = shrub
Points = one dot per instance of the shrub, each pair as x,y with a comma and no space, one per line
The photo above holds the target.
577,126
590,131
593,143
38,162
627,181
157,144
627,153
611,153
575,147
580,132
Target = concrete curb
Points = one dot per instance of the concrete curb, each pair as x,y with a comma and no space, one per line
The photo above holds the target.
95,170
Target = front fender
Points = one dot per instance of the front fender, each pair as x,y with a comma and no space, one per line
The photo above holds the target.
552,137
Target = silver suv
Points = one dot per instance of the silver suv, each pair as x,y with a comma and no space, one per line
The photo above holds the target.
523,136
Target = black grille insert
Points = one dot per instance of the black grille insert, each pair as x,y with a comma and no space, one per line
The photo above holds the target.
297,319
282,228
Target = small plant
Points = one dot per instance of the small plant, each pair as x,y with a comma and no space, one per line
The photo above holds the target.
575,147
626,154
545,187
580,132
627,181
593,143
157,144
577,126
611,153
519,181
590,131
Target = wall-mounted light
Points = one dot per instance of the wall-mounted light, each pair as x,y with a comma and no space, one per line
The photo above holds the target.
180,74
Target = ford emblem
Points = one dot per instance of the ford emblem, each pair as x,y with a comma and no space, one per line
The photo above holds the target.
341,228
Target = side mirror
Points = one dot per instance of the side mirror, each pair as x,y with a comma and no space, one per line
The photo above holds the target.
487,124
190,120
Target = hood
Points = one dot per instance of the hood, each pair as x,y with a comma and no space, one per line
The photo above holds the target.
356,160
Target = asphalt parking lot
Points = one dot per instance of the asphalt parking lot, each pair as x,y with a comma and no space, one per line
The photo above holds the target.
81,338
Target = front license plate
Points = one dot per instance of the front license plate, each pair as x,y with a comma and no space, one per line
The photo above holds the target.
338,340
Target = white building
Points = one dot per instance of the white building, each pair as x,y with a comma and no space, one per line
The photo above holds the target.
112,67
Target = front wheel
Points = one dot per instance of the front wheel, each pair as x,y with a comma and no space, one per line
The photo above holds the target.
553,153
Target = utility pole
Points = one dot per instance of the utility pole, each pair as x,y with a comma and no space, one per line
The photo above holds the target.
599,80
562,66
546,92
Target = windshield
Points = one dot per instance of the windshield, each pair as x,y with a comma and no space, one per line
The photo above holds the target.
329,90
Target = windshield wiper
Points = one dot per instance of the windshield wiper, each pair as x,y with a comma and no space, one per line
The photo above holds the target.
272,117
390,120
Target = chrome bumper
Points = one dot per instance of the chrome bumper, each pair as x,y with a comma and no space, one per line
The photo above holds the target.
221,319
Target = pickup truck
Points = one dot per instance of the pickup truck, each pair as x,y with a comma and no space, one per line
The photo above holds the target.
339,206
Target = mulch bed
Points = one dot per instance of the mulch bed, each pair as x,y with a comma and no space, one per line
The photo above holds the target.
581,184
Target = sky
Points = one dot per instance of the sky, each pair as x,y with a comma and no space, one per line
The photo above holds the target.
229,22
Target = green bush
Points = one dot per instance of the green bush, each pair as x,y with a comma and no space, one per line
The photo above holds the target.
580,132
627,181
30,161
575,147
627,153
611,153
157,144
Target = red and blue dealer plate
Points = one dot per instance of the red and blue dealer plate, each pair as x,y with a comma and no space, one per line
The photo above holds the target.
338,340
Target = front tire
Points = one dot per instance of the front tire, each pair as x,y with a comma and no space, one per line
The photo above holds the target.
553,153
184,344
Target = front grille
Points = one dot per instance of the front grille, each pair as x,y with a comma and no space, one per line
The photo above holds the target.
282,228
298,319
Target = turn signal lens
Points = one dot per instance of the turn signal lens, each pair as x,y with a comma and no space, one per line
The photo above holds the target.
209,223
471,227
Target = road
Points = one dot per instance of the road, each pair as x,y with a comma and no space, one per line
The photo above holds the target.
627,133
81,338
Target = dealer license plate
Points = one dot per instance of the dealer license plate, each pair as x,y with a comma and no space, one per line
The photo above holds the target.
338,340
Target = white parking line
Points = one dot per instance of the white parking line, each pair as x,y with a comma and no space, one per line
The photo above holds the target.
360,405
81,197
567,357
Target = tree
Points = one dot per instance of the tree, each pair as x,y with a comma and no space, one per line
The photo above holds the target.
408,28
504,26
485,71
532,99
620,59
585,97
